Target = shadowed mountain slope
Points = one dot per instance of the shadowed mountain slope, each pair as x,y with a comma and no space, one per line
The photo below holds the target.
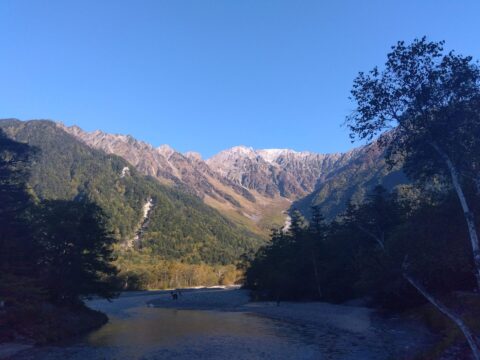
180,225
254,189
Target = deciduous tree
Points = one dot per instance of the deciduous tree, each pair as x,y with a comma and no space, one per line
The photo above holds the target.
430,100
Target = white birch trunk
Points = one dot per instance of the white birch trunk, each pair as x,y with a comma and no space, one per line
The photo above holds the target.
317,278
466,211
477,183
379,239
447,312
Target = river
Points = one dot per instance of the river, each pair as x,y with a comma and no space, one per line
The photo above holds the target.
221,324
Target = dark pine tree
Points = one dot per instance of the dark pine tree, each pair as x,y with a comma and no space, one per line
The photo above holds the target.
18,253
76,251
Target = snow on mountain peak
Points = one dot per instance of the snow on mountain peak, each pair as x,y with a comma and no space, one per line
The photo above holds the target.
242,150
270,155
165,150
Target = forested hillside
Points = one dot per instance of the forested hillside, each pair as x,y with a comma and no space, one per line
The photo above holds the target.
180,226
309,179
418,243
351,182
253,187
53,254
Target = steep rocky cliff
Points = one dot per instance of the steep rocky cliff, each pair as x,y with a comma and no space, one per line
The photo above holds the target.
256,187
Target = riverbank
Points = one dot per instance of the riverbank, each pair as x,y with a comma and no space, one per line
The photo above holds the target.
451,343
345,327
25,326
221,323
423,332
217,324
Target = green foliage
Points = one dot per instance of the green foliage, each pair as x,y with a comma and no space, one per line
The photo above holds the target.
180,225
289,266
352,183
17,250
432,100
76,251
361,254
142,270
467,304
52,254
54,250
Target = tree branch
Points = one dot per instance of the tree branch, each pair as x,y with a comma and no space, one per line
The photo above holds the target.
477,183
468,215
447,312
378,239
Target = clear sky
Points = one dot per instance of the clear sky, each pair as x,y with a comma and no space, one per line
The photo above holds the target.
207,75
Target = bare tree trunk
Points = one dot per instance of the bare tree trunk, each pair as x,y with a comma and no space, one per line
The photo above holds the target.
317,280
466,211
477,183
444,310
379,239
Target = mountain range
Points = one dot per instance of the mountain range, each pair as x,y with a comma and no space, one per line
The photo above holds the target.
245,191
259,186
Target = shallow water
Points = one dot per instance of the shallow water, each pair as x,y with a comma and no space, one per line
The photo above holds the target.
146,329
138,331
152,326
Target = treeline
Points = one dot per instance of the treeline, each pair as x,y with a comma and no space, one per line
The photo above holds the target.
53,254
363,253
423,109
181,226
140,270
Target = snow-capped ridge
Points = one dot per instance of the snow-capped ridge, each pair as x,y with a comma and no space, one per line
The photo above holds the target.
270,155
241,150
166,150
193,155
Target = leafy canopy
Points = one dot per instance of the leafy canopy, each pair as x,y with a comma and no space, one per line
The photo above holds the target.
430,98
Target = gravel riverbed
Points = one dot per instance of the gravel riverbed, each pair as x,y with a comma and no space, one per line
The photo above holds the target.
223,324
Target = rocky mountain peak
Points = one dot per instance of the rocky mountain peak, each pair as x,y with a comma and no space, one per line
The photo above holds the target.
271,155
192,155
273,172
238,151
166,150
188,171
243,179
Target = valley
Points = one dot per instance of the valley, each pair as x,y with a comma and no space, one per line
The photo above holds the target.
220,323
178,211
239,180
255,188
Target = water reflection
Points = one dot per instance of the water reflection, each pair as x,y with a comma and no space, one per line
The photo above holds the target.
155,327
136,331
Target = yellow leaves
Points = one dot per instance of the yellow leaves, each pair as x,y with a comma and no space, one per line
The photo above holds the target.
152,272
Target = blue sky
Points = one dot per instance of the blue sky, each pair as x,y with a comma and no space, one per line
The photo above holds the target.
208,75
